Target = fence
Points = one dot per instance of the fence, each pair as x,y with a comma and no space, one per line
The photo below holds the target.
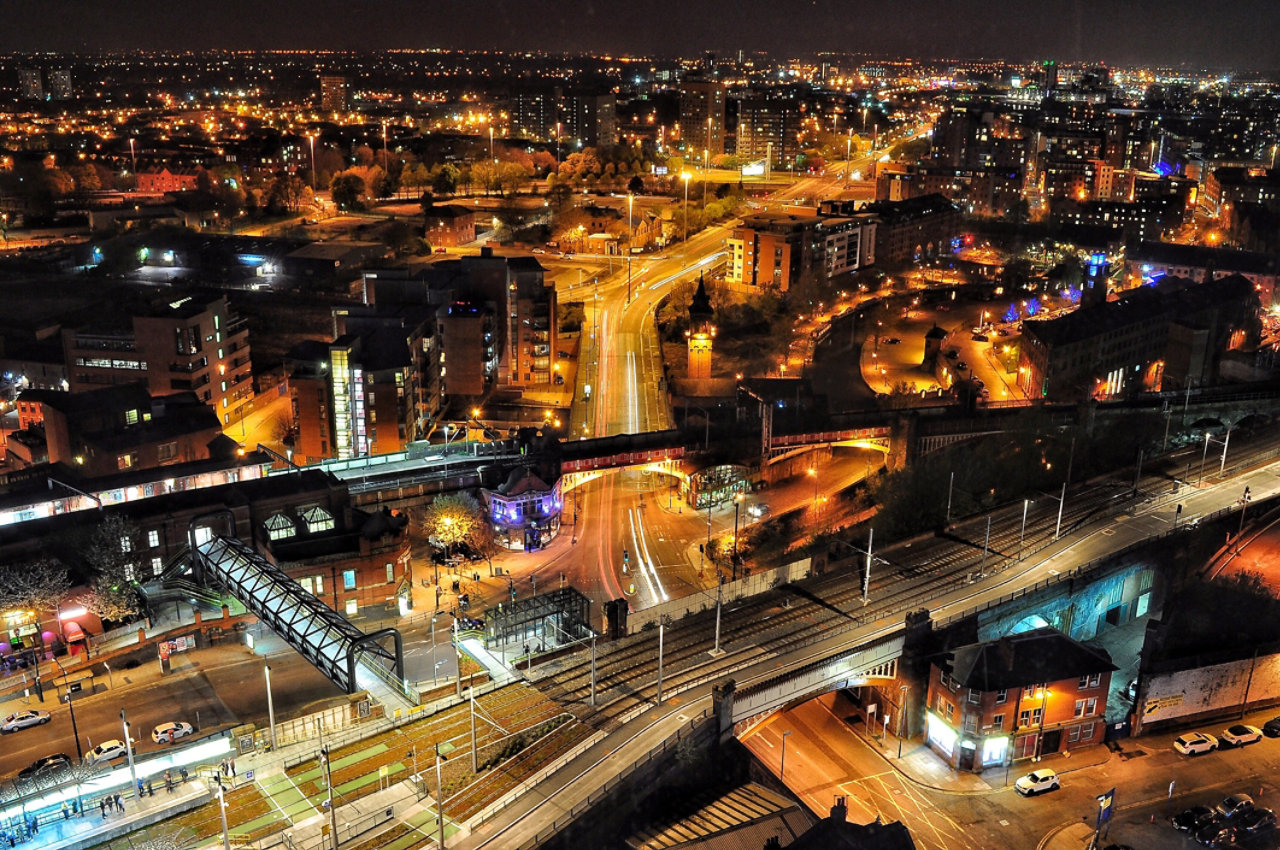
697,725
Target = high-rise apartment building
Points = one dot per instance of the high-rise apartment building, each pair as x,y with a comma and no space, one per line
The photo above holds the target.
768,129
60,83
702,117
30,84
333,93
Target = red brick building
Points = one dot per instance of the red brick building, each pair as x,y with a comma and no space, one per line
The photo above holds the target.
449,226
1015,698
163,180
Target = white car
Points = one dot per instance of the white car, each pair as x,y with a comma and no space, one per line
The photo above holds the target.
1240,734
1037,782
1195,743
106,751
23,719
167,733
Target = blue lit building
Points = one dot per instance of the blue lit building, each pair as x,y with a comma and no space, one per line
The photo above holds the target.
524,510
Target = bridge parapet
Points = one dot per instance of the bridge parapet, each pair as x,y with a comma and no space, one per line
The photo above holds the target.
875,660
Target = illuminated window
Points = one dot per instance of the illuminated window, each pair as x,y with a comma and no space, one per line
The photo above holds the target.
348,579
157,566
153,539
352,608
317,519
280,527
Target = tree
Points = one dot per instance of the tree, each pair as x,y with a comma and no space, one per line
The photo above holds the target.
635,185
113,558
36,586
444,179
452,519
347,190
427,202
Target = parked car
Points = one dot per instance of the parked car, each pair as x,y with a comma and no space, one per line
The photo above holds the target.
167,733
1272,728
952,353
1235,804
46,765
893,340
106,751
1195,743
962,366
23,719
1257,820
1194,819
1241,735
1218,835
1037,782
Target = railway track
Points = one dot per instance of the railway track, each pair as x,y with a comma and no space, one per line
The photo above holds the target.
904,577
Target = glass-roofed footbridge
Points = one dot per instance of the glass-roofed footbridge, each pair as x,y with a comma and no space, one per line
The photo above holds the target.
351,659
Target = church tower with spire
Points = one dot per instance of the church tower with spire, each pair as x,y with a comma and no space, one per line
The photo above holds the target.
701,333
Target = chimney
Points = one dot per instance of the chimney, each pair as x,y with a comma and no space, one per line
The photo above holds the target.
840,811
774,843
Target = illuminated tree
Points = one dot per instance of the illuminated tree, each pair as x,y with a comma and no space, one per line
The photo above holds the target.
452,519
113,557
36,586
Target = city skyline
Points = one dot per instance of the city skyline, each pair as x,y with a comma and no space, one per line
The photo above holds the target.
1175,33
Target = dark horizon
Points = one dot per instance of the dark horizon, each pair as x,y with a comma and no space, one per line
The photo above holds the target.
1170,33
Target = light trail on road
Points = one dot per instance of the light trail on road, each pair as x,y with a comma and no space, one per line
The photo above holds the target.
644,561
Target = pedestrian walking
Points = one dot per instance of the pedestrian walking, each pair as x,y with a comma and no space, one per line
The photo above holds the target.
119,804
233,768
168,783
223,765
151,791
183,771
66,812
35,825
102,807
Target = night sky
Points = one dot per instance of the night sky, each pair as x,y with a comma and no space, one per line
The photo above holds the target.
1225,33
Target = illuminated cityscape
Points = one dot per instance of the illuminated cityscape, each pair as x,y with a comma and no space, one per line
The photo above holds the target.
766,426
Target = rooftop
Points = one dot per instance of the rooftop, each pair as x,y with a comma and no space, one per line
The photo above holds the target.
1027,658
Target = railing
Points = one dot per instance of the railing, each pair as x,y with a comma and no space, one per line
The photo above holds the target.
605,790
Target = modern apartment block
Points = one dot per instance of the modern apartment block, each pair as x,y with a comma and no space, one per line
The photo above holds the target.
190,342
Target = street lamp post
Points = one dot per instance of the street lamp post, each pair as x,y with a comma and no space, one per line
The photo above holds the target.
685,177
71,707
434,668
1204,454
782,764
222,815
1244,508
333,814
737,504
128,750
271,707
662,626
1062,500
312,139
719,601
902,718
1026,503
631,235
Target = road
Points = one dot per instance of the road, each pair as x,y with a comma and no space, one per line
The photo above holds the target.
828,754
216,688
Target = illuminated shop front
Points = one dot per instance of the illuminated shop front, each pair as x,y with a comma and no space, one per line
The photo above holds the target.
525,511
